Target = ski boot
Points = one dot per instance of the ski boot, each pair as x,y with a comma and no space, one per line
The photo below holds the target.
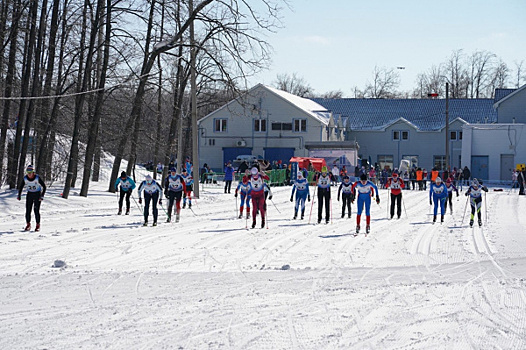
343,214
441,219
327,221
184,205
190,205
28,227
254,224
434,219
145,223
177,217
295,215
262,223
169,219
37,228
302,214
120,211
367,229
240,216
471,223
480,222
248,214
127,211
154,223
357,229
349,216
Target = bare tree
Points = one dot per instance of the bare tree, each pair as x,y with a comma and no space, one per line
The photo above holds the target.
520,76
293,84
384,83
480,64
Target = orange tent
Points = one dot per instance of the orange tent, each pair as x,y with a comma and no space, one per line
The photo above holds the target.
303,162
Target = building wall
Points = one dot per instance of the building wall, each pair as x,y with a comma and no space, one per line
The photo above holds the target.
261,104
513,109
424,144
493,141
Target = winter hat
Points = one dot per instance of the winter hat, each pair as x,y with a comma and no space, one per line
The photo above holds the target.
254,171
395,173
123,174
475,182
363,177
346,177
184,170
438,179
148,178
172,170
324,169
300,175
30,169
448,181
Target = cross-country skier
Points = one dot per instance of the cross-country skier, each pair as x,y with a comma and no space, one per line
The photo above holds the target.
127,186
257,192
301,187
229,176
189,186
437,196
36,188
395,183
475,193
323,181
347,195
242,189
450,188
152,193
366,189
174,186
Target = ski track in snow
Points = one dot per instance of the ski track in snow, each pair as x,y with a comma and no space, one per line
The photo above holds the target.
209,282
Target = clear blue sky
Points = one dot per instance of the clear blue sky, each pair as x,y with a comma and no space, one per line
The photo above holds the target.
335,44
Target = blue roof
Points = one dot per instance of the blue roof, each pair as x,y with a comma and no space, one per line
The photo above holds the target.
501,93
425,114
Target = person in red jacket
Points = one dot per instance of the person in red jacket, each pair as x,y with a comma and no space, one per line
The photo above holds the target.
395,183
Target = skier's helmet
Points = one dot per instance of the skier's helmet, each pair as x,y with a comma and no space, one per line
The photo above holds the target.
30,169
148,179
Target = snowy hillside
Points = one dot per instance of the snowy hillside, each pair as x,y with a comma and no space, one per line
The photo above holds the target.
207,282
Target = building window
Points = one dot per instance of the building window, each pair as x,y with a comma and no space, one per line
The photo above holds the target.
460,135
400,135
386,162
211,142
453,135
260,125
300,125
281,126
219,125
439,162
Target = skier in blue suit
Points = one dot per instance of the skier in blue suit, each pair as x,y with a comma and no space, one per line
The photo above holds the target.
437,196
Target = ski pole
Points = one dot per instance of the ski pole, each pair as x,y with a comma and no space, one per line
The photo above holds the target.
312,204
164,209
136,203
275,206
388,198
236,205
464,215
330,204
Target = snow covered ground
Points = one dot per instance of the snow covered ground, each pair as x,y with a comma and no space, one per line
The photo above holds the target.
207,282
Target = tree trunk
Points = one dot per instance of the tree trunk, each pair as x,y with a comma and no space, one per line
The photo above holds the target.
95,119
9,83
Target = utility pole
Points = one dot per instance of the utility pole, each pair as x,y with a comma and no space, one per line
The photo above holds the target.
447,127
195,131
